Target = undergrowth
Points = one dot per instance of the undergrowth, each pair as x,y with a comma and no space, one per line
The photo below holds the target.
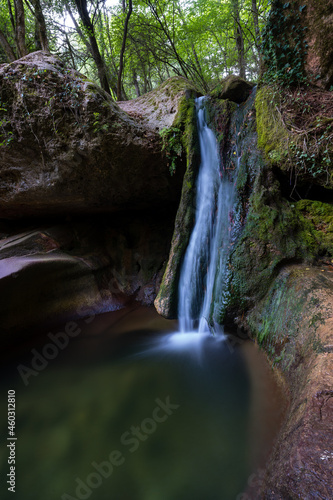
295,129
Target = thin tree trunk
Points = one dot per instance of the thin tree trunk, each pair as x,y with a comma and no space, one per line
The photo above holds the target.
78,29
239,39
136,84
38,45
6,47
197,68
70,50
20,28
255,16
85,18
41,25
10,10
121,61
165,30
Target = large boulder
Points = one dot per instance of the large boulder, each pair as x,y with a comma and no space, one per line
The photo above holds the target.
158,109
66,146
233,88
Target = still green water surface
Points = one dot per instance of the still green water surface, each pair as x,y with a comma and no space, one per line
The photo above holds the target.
123,413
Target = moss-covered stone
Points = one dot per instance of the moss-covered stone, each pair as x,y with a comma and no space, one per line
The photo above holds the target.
306,155
67,147
219,113
159,108
272,135
320,216
275,321
167,299
274,234
233,88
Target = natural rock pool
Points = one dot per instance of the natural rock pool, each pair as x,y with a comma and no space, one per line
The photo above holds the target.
126,411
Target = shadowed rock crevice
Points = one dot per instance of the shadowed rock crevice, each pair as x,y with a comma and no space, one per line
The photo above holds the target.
74,268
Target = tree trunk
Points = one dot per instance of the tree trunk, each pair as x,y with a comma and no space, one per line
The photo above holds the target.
255,17
121,62
136,84
84,15
38,45
20,28
239,39
41,25
6,47
10,10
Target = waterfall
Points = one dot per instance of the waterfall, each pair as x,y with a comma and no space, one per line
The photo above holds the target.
209,246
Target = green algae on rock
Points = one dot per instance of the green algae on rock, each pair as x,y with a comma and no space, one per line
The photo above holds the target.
166,300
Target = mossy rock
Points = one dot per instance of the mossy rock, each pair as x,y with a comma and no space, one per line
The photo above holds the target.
166,302
67,148
275,233
233,88
320,216
305,156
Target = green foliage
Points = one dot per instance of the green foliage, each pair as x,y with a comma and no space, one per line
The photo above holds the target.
284,46
172,146
194,39
7,29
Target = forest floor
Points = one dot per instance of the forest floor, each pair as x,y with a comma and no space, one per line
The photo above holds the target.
306,108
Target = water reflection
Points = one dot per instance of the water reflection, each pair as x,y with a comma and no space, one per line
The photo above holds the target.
147,420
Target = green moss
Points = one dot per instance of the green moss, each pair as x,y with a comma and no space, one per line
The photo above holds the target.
167,299
306,155
275,233
286,321
319,216
272,135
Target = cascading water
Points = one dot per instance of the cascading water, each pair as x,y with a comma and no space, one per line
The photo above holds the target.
208,249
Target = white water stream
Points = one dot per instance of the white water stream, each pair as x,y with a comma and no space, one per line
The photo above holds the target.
209,246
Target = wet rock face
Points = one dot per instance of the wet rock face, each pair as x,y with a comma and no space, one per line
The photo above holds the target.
294,324
67,269
66,147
